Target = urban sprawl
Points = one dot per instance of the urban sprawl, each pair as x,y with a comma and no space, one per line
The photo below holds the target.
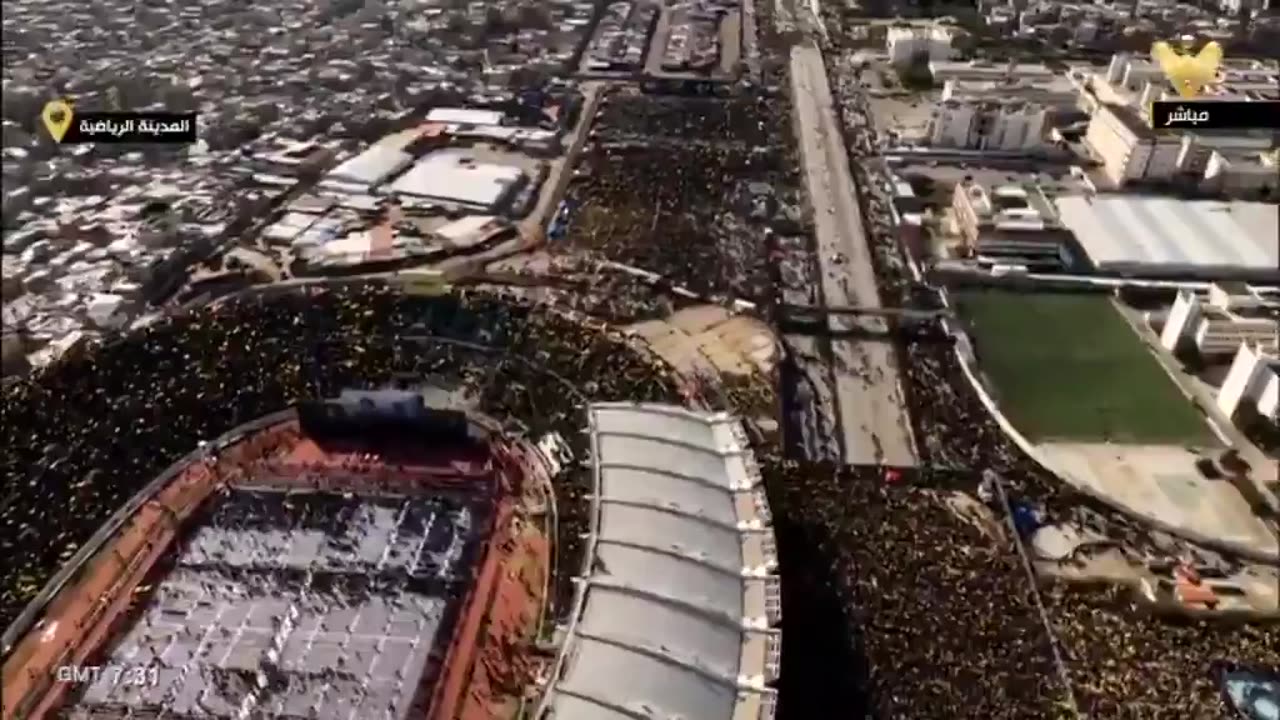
689,359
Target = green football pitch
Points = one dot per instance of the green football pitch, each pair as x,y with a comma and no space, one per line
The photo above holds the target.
1068,368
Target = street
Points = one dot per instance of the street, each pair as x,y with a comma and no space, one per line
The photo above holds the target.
869,403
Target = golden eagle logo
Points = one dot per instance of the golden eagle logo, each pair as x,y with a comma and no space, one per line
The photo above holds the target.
1188,73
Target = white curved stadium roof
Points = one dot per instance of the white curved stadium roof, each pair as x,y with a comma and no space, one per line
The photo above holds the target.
673,617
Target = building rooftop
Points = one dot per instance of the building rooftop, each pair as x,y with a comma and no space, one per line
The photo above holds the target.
674,616
1132,120
464,116
372,166
980,70
454,176
1173,236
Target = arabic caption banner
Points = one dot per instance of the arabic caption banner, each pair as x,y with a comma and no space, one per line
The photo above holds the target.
144,128
1215,115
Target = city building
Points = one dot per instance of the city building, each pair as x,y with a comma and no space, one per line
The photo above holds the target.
980,71
1012,126
1136,81
455,178
1255,176
1128,149
367,170
1131,152
1233,7
1215,325
1254,379
1055,91
1010,224
465,116
905,44
1151,236
1131,75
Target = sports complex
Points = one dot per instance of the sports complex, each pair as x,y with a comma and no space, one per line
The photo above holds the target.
379,527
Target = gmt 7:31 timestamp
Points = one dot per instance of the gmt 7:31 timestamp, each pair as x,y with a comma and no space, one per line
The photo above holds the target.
127,675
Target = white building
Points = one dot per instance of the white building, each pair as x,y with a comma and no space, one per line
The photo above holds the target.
1254,378
1129,75
464,116
1054,91
1009,224
371,167
1169,237
1241,176
453,177
106,310
1217,325
1129,150
1008,127
987,71
904,44
1232,7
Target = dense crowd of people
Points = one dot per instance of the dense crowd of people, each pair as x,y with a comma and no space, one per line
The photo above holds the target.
629,116
896,604
686,187
908,607
88,433
899,606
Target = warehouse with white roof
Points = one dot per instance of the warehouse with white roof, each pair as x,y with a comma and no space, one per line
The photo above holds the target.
455,177
1143,236
676,613
369,168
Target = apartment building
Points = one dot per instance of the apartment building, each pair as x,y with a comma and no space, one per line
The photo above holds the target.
1010,224
1128,149
905,44
1254,378
1216,325
1012,126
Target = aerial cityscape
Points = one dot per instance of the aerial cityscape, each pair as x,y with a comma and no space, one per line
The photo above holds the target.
641,359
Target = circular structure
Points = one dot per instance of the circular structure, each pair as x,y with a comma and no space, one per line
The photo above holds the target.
97,429
335,564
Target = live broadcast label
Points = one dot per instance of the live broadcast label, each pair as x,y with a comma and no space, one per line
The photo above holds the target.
1215,115
142,128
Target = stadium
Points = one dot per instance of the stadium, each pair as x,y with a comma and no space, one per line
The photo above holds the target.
350,501
661,595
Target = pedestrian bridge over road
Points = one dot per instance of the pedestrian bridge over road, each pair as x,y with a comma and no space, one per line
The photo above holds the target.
805,313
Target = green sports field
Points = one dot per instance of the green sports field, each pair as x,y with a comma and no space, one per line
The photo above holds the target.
1067,367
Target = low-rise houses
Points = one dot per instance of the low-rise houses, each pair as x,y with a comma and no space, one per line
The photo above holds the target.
622,36
95,236
693,38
